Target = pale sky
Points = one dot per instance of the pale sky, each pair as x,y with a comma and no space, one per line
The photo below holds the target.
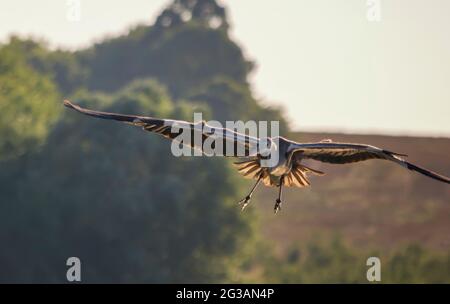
329,67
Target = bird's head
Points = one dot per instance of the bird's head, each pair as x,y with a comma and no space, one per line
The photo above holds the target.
266,146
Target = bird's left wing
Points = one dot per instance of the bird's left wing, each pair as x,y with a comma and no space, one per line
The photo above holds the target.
343,153
233,143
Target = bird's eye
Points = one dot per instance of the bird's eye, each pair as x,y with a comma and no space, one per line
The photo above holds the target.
210,131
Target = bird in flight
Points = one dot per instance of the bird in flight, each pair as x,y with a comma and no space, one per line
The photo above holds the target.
288,169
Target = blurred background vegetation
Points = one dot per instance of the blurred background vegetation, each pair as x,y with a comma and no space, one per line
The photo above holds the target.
116,197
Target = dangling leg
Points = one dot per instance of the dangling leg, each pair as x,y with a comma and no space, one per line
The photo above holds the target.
246,200
278,201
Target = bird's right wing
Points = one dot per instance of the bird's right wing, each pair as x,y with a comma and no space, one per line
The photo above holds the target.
196,135
343,153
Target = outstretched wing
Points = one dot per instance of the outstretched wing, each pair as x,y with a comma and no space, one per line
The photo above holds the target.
343,153
232,143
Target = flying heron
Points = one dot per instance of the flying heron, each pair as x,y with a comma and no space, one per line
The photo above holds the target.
288,170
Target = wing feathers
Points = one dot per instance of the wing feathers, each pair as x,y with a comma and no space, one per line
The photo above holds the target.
426,172
343,153
171,129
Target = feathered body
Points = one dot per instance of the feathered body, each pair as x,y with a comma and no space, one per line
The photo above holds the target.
288,166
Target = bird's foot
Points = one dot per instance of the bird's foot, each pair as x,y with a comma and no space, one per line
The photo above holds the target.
244,202
277,206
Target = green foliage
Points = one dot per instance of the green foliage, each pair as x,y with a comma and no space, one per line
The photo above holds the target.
109,193
181,58
63,67
221,94
331,261
116,197
27,104
414,264
205,12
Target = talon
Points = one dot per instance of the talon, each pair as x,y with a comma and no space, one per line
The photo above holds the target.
244,202
277,206
276,209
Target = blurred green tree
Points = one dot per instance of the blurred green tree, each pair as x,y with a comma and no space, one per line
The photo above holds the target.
117,198
330,260
221,94
28,102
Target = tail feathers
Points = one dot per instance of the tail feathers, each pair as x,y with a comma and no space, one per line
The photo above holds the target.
428,173
299,178
296,178
314,171
249,168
